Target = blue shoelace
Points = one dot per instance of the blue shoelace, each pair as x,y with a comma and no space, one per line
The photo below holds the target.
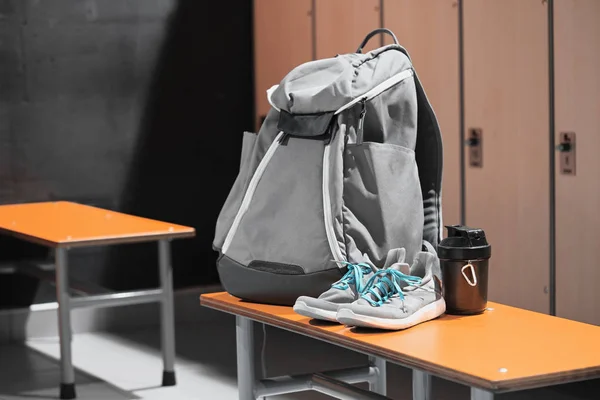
385,284
354,276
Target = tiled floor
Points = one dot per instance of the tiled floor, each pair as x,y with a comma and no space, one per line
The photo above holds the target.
128,366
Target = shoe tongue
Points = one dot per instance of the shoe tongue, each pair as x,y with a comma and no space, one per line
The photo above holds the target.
395,256
401,267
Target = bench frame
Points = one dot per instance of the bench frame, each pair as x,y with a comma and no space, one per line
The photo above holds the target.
333,383
68,225
66,303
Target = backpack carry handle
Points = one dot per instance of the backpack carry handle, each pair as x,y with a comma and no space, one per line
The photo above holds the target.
373,33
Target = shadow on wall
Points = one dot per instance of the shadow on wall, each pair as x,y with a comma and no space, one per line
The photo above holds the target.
187,152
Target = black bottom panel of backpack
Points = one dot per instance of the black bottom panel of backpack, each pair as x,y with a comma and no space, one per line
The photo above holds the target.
259,285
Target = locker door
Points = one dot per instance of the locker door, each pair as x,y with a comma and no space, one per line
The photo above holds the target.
506,96
428,29
282,41
341,25
577,90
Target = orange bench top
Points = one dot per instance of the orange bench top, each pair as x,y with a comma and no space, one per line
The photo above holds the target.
67,224
503,349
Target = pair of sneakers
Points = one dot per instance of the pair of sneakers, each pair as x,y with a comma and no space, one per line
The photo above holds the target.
394,297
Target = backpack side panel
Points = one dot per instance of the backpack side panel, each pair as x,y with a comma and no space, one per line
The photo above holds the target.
284,222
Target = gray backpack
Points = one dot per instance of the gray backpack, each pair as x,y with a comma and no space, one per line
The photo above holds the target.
346,167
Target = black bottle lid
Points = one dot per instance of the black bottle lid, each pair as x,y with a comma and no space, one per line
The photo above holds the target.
464,243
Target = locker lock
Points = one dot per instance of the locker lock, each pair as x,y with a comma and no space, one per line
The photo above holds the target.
475,143
472,141
566,149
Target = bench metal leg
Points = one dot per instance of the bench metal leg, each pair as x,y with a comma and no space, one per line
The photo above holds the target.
167,313
67,381
481,394
379,386
246,375
341,390
421,385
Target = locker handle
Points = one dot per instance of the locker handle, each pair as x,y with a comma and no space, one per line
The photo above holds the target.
373,33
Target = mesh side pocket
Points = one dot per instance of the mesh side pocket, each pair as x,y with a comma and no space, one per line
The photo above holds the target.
236,194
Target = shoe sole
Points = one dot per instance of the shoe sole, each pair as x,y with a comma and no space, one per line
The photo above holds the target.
304,309
431,311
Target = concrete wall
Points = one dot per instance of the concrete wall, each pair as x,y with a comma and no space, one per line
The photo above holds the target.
134,105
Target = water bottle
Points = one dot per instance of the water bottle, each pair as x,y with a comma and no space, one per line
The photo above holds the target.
464,259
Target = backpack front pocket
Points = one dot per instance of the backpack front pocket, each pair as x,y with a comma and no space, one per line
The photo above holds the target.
383,205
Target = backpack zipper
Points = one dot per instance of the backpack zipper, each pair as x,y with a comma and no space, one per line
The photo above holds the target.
361,121
377,90
250,191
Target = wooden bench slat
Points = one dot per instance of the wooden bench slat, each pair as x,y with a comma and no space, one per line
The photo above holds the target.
63,223
535,349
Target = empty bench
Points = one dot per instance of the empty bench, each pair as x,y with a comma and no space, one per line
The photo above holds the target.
64,225
502,350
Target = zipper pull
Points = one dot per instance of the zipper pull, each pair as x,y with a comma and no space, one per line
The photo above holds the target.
361,120
284,139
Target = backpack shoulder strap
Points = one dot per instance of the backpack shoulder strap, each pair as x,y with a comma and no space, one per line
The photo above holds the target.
429,155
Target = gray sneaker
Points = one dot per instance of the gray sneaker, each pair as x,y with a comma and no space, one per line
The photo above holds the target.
344,291
399,297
